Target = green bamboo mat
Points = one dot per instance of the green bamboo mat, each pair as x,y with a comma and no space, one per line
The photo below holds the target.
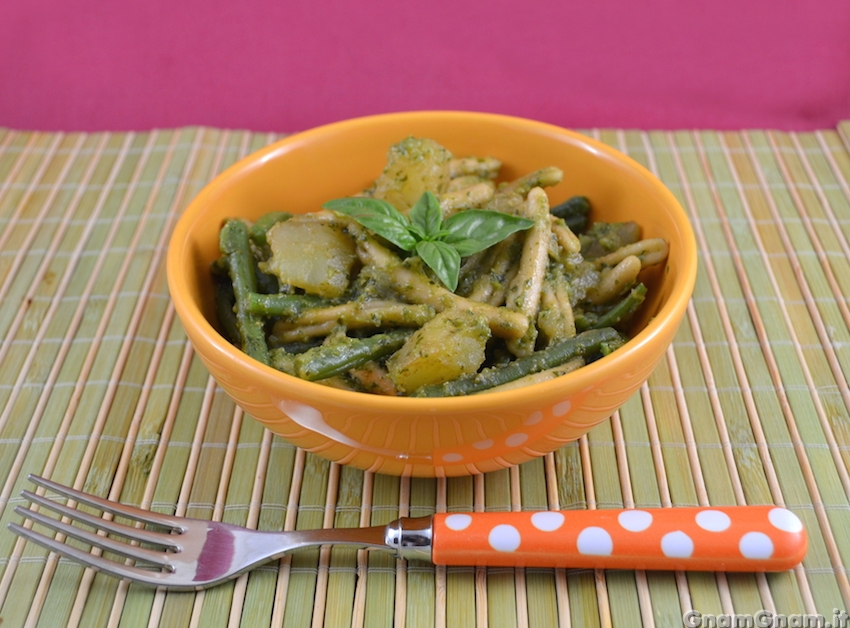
100,389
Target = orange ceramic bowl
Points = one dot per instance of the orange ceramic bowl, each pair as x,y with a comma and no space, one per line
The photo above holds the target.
443,436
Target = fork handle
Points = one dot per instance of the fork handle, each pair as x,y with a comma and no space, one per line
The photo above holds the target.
737,538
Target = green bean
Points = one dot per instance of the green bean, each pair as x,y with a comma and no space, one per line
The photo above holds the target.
616,314
545,177
219,267
541,376
287,305
339,356
583,345
224,304
261,226
294,347
606,348
574,211
266,283
235,246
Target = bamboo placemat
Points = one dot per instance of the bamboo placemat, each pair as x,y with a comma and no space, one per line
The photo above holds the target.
100,389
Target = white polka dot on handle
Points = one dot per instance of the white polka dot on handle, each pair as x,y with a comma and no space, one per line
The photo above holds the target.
756,545
504,538
594,541
547,521
458,522
635,520
785,520
452,457
713,520
677,545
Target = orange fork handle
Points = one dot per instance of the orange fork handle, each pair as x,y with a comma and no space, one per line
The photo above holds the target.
736,538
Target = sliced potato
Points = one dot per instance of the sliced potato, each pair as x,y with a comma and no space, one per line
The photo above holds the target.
448,346
315,256
413,166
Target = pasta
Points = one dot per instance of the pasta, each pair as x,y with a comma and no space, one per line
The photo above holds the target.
331,297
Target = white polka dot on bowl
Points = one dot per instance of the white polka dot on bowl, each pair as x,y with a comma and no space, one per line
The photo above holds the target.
562,408
515,440
534,418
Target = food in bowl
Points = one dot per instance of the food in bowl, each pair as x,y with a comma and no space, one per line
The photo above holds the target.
431,436
436,280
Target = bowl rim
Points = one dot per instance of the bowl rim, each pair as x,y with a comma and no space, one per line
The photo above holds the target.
586,377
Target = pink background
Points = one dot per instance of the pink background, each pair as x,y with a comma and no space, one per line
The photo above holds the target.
292,64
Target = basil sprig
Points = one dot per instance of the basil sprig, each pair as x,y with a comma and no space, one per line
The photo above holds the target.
439,243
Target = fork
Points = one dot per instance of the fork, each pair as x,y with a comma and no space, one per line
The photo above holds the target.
191,554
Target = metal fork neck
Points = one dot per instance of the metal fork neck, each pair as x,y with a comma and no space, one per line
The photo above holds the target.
411,538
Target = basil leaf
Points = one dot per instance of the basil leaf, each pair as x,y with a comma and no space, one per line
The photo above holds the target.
426,214
377,215
474,230
469,247
443,259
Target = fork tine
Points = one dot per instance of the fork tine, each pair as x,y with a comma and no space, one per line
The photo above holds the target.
138,534
119,570
159,559
121,510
